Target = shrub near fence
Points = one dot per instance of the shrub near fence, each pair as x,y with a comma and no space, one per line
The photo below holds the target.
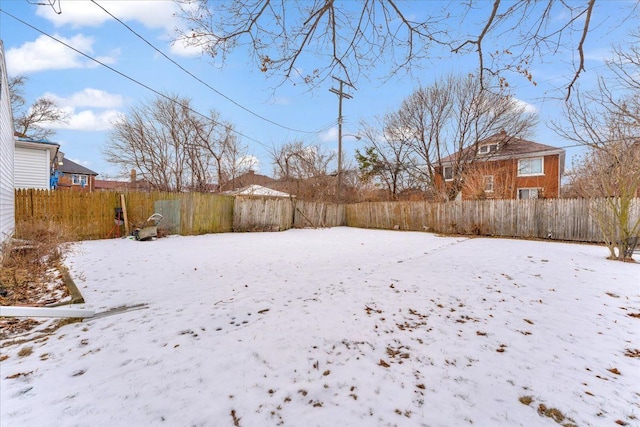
560,219
86,216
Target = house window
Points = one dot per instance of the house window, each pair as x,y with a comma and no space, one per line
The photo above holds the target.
447,172
79,179
528,193
488,183
488,148
531,167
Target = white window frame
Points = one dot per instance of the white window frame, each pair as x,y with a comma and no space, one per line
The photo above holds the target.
529,190
530,161
488,183
79,179
488,148
444,173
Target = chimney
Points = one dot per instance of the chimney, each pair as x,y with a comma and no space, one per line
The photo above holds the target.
133,176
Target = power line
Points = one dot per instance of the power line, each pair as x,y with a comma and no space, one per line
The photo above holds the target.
132,79
197,78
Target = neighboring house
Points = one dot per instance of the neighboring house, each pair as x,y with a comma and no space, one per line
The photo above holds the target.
34,163
73,176
257,190
7,150
503,167
246,179
133,184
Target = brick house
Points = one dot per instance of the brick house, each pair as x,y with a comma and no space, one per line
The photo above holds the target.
503,167
75,177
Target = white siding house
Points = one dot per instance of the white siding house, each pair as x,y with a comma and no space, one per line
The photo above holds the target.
33,161
7,204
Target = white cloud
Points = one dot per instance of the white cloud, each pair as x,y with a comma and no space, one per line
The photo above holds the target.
160,15
331,135
528,108
249,162
89,97
88,120
181,48
47,54
157,14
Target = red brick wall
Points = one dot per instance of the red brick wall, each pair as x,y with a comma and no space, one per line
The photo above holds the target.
65,183
506,181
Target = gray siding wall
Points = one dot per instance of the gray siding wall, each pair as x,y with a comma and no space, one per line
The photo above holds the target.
7,204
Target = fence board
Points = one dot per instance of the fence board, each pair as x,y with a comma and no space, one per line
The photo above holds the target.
85,216
561,219
91,215
262,214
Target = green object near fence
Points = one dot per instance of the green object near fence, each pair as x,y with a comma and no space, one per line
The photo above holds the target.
170,211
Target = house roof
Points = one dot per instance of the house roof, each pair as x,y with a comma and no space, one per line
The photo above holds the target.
72,167
257,190
510,147
245,180
34,143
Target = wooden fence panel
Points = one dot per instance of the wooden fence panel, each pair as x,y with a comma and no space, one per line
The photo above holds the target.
262,214
559,219
85,216
91,215
314,214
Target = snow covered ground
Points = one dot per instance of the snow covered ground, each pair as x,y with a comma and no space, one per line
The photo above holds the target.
337,327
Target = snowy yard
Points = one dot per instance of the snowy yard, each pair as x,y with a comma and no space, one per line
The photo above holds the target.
337,327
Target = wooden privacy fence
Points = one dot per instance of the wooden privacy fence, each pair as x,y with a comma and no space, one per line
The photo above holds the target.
558,219
91,215
85,216
277,214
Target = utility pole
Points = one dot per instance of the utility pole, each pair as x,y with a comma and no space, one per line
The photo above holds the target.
341,94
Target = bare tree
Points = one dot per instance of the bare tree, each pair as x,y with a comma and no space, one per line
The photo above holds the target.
607,122
216,145
298,161
353,38
386,159
304,170
447,121
486,181
34,120
173,147
16,92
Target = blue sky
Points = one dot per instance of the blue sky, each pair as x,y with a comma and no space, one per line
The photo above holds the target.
95,95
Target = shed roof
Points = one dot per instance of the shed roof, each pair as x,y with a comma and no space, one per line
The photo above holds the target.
257,190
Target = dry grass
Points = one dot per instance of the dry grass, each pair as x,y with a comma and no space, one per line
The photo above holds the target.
556,415
25,351
29,264
526,400
29,274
